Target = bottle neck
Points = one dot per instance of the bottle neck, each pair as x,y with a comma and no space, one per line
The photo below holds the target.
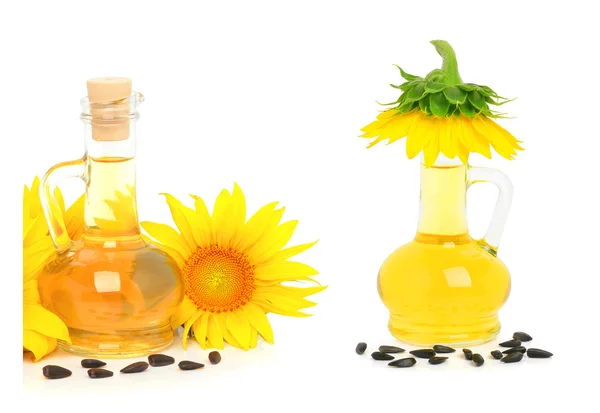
110,209
442,216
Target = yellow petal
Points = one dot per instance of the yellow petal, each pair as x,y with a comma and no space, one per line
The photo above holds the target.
471,139
174,254
446,135
36,256
37,318
431,151
486,128
291,251
253,337
284,271
214,333
259,225
399,126
259,321
31,294
267,247
204,220
185,311
287,291
285,303
423,134
167,236
183,218
74,220
238,326
223,229
186,327
200,329
271,308
236,214
38,344
36,230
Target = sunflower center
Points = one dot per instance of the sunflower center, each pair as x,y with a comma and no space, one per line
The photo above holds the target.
218,279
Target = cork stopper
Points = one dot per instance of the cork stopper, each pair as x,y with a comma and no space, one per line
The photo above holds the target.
109,116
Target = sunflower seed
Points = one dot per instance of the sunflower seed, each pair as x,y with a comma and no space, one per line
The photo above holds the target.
55,372
360,348
405,362
510,343
437,360
519,335
468,354
390,349
190,365
424,353
135,367
92,363
214,357
438,348
497,354
478,359
536,353
378,355
519,349
512,358
159,360
99,373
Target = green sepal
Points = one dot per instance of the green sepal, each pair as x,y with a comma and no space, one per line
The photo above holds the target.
467,109
476,100
416,93
405,75
424,104
434,87
455,95
438,104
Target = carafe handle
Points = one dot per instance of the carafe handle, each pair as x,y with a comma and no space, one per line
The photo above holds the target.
491,240
51,206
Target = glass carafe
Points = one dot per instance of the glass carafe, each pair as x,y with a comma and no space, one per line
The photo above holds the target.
114,291
445,287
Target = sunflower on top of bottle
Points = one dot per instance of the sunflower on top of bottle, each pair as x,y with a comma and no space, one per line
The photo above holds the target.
439,113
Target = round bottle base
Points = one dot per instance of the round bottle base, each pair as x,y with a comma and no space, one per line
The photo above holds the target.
477,332
118,344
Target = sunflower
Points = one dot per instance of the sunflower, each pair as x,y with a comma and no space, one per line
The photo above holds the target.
441,114
41,328
234,270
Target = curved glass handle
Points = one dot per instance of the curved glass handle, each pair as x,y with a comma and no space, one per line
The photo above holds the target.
491,240
51,206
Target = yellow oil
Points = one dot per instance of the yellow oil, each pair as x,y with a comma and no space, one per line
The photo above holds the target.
115,292
443,287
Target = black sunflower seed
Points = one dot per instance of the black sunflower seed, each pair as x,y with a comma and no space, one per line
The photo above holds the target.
424,353
159,360
519,335
135,367
190,365
378,355
92,363
478,359
55,372
468,354
497,354
536,353
405,362
437,360
360,348
438,348
390,349
511,343
99,373
519,349
214,357
512,358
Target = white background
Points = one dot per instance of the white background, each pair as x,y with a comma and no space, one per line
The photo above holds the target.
272,95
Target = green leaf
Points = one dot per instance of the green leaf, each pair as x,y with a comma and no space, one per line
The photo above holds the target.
467,109
398,86
455,95
476,100
406,75
439,104
406,107
415,93
434,87
424,103
409,85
